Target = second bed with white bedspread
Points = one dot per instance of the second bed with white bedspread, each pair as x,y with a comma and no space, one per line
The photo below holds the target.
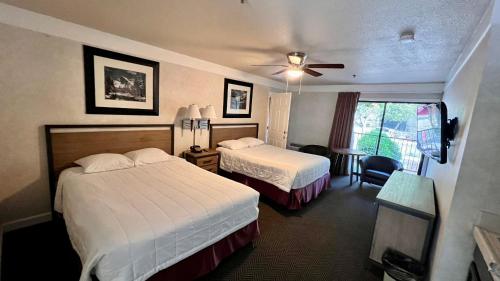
286,169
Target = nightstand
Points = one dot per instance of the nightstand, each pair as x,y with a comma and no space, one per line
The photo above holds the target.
208,160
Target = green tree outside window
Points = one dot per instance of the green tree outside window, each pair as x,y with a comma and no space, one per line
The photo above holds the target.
368,144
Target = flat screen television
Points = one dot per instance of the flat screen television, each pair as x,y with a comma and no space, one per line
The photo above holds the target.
433,131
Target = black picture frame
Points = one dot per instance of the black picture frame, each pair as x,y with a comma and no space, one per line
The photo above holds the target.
227,83
90,84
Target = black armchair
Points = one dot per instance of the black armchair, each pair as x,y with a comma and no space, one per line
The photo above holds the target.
317,150
378,169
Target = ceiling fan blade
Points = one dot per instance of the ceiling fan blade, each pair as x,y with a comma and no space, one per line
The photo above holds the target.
279,72
325,65
282,65
312,72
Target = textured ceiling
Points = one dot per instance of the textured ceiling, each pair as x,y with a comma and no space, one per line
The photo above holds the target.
362,34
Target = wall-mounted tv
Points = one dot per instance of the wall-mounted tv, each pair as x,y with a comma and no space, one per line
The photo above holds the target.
434,131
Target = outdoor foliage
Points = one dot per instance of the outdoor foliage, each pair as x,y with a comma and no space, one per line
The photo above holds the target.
396,115
400,112
366,112
388,148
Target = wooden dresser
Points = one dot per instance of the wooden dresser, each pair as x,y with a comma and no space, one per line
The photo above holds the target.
405,217
208,160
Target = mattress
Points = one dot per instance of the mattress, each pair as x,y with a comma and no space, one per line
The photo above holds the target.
285,169
129,224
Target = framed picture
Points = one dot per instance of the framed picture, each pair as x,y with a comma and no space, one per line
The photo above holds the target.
120,84
237,99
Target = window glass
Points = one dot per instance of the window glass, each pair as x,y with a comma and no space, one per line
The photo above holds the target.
367,126
388,129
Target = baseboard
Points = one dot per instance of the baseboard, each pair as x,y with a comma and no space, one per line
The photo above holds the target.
25,222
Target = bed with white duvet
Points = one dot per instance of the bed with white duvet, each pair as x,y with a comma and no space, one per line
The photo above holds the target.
285,169
129,224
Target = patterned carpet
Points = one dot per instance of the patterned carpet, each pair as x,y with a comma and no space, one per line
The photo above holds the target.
328,240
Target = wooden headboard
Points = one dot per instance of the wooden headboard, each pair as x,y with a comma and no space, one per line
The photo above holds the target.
67,143
222,132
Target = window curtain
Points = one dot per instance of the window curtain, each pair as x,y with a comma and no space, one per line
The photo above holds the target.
343,121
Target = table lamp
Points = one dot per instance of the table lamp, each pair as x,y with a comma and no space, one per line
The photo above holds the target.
193,114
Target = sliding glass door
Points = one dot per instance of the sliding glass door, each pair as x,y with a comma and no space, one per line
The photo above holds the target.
388,129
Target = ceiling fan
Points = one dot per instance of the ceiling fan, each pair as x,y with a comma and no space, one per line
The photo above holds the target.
297,66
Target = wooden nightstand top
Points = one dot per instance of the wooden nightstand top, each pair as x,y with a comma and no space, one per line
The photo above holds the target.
209,152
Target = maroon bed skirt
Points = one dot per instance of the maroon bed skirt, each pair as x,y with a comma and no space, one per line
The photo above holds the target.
292,200
207,259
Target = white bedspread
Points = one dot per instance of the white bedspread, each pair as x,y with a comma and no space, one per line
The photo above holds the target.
286,169
129,224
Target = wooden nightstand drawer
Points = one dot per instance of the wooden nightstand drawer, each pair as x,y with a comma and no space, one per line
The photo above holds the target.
210,168
208,159
205,161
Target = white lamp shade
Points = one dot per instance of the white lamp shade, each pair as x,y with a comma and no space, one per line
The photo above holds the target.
193,112
209,112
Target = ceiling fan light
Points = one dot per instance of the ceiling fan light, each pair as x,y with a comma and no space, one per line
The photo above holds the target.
296,58
294,73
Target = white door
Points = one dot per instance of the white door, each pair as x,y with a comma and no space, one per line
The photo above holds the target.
277,123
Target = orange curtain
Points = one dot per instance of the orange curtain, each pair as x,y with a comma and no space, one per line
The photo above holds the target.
343,121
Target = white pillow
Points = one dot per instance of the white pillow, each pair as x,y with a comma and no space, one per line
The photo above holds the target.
251,141
104,162
148,156
233,144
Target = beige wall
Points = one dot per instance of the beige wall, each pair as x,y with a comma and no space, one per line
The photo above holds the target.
477,185
42,83
460,97
311,117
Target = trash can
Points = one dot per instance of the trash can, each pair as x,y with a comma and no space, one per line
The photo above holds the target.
400,267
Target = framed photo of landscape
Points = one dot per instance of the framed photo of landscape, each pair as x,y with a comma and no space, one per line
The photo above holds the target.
237,99
120,84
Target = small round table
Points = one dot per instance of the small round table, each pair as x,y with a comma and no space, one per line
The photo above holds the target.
349,152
